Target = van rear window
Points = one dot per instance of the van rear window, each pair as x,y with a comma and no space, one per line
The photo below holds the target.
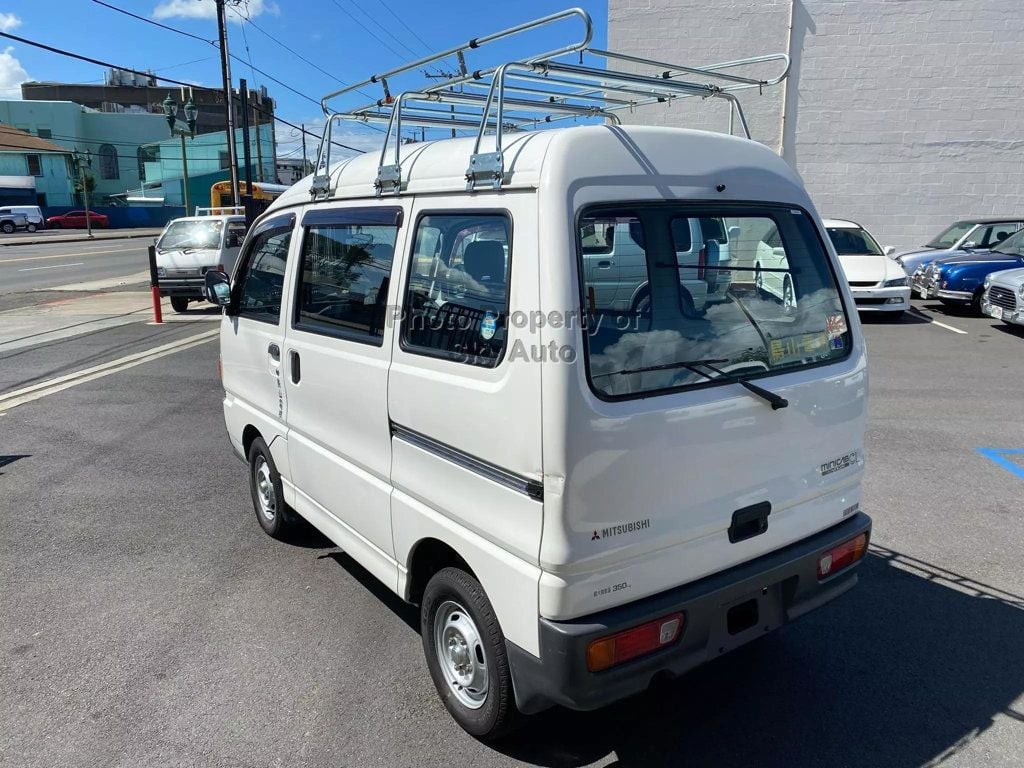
687,296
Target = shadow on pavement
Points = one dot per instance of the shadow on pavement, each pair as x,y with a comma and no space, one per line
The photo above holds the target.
408,613
907,668
884,318
1009,330
11,458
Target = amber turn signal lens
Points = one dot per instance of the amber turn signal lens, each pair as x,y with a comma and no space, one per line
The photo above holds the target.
843,556
606,652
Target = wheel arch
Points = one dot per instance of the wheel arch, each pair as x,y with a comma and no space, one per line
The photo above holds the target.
428,556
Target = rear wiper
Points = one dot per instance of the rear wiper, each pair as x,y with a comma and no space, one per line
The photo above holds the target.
777,401
688,364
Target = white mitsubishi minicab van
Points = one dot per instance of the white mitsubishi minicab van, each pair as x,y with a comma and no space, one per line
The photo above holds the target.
426,361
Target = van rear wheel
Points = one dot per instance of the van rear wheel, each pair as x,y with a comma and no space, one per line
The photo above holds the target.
267,493
466,655
179,304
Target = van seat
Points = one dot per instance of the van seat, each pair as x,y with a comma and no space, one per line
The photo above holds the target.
484,261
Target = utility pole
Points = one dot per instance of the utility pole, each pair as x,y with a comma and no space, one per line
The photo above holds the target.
243,91
259,146
229,105
305,170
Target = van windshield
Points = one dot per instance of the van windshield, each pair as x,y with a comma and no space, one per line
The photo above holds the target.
669,307
191,234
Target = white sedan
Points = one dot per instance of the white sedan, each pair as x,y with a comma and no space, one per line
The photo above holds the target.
878,283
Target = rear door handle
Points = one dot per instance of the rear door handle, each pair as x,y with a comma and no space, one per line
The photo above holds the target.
604,265
296,369
275,353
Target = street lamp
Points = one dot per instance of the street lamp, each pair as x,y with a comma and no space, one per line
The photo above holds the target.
191,112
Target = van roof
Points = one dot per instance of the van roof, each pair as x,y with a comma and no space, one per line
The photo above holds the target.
214,217
695,161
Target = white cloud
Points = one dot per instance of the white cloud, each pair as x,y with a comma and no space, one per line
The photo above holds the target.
207,9
12,75
9,21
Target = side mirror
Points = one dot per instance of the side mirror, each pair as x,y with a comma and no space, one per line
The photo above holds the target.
734,233
969,245
218,288
889,250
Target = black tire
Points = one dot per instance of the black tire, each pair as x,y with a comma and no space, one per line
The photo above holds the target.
497,714
976,302
642,304
179,304
31,227
8,228
278,523
54,225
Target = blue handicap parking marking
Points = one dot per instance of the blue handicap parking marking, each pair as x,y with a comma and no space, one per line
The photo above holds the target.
1000,456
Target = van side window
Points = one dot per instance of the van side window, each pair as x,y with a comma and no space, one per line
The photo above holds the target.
456,303
262,279
343,282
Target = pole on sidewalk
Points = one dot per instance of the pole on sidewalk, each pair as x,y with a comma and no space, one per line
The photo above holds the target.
305,171
229,102
243,92
184,174
154,286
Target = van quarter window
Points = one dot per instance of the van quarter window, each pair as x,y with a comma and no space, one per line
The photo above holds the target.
782,310
456,304
343,282
262,278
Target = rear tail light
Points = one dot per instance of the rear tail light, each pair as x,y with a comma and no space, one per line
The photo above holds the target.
838,558
606,652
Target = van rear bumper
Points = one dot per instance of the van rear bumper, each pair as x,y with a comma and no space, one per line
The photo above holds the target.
191,287
784,584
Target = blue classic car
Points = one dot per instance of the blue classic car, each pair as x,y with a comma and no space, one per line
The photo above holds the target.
961,280
962,238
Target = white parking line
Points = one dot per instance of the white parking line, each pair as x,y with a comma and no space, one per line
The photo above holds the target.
44,388
918,313
52,266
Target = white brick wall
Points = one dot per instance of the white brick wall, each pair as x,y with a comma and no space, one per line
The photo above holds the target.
903,115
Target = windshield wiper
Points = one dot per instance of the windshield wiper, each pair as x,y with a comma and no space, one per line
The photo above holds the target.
776,401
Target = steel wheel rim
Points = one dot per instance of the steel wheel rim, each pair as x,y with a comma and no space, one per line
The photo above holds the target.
266,497
459,649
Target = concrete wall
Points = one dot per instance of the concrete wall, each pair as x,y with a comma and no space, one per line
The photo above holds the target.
72,126
53,181
901,114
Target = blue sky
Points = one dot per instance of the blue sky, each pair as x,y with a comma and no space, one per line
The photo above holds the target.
350,39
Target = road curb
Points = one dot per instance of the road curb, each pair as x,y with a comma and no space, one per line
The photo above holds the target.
81,238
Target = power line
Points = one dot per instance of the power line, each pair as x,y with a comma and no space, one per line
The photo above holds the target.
368,30
402,22
109,65
154,23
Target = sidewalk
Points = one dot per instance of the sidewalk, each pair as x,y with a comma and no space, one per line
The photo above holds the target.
51,236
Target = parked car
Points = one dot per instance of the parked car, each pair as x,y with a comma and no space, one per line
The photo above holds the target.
76,220
33,214
960,281
615,263
551,493
1004,296
11,222
189,247
877,283
961,238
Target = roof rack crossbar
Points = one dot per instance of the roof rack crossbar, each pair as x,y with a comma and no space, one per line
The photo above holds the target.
535,90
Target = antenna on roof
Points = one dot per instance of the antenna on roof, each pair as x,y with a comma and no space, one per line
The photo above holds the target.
530,92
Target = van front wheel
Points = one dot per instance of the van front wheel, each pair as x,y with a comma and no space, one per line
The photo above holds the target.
466,656
266,490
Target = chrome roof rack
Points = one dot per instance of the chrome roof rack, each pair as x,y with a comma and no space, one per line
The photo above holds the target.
530,92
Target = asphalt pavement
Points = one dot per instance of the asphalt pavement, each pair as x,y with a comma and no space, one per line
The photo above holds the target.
59,264
146,620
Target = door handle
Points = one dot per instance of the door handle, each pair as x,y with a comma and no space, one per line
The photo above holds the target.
275,353
296,369
604,265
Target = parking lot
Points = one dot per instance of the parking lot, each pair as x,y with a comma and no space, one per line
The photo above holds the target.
145,619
